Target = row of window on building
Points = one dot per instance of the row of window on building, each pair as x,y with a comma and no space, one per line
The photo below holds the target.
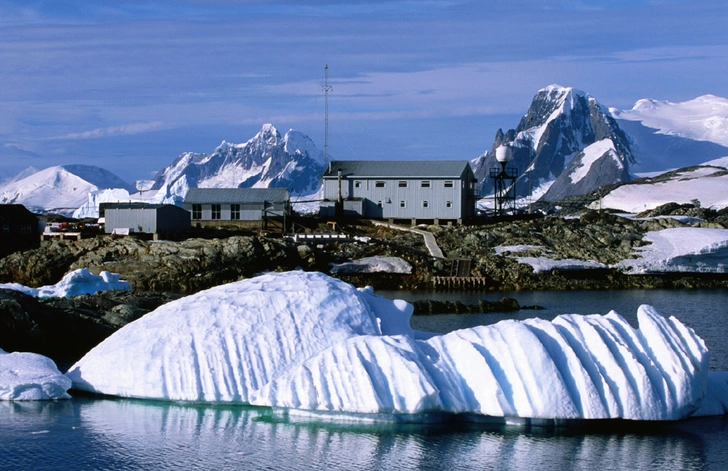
405,184
216,211
425,204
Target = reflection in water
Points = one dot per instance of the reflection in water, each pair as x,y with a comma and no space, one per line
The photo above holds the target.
89,433
115,434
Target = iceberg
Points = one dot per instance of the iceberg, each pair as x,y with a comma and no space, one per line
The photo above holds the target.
77,282
26,376
308,343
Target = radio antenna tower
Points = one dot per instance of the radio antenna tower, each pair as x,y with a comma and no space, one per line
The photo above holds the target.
327,88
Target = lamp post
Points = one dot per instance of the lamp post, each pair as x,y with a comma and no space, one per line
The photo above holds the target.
504,180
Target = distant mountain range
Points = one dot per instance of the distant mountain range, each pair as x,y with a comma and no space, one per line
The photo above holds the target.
265,161
665,135
566,144
60,189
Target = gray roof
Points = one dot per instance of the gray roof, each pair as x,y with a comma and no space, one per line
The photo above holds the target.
398,168
134,205
235,195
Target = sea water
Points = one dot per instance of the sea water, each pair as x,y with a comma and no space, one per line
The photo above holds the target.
87,433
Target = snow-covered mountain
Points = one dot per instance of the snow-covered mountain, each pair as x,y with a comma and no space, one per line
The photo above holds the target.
706,183
60,189
567,144
665,135
265,161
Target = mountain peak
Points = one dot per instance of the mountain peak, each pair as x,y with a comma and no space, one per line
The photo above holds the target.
560,129
267,160
61,188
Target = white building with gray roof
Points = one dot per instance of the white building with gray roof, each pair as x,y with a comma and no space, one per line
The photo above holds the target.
437,190
160,220
236,204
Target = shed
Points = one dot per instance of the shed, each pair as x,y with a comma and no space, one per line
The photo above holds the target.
18,229
431,190
236,204
161,220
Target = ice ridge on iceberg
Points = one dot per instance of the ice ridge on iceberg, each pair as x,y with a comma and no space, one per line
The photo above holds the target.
308,342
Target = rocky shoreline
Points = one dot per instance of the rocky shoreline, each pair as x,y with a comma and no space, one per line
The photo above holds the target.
160,271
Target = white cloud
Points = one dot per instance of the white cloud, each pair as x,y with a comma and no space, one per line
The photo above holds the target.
126,129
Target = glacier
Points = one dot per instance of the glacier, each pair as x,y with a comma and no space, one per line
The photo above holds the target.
307,343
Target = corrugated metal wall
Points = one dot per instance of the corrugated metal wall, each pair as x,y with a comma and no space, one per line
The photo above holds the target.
410,199
135,219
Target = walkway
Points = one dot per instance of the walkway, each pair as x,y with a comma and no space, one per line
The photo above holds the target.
430,241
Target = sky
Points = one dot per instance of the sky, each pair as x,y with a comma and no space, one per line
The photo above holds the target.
129,85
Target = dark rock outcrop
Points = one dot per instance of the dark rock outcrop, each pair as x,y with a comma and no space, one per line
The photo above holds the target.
65,329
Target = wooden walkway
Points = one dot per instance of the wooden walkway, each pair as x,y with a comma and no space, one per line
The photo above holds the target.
430,241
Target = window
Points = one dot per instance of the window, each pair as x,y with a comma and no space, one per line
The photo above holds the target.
6,228
235,212
379,203
425,184
448,184
216,211
357,184
402,184
26,229
448,204
196,211
425,204
379,184
402,204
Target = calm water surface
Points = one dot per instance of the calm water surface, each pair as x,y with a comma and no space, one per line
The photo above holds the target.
117,434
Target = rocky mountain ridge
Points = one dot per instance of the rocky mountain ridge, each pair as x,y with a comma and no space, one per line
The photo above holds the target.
566,144
268,160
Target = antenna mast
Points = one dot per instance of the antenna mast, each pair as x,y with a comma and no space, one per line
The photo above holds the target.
326,89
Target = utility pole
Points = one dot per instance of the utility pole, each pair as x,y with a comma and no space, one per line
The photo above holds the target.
327,88
530,179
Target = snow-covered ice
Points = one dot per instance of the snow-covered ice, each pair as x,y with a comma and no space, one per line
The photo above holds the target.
544,264
377,264
28,376
80,281
681,249
310,343
706,184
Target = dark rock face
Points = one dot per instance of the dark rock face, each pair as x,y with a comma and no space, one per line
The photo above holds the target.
457,307
551,138
66,329
180,267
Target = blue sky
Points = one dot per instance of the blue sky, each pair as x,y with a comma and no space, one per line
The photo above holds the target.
129,85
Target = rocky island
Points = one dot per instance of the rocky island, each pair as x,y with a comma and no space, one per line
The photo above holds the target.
498,254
